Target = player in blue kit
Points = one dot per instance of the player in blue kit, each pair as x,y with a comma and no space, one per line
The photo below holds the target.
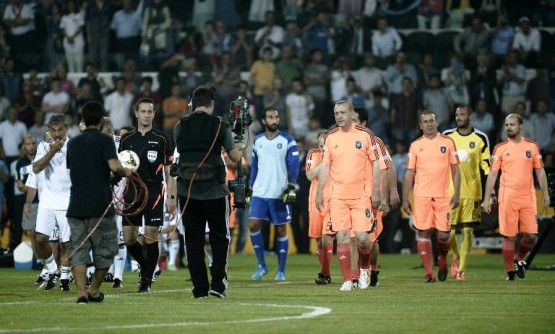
275,168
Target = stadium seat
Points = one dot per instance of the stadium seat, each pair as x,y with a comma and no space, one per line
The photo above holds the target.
420,41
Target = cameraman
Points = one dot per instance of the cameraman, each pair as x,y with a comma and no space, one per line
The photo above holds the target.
199,137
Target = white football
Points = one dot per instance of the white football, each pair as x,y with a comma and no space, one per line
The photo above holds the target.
129,160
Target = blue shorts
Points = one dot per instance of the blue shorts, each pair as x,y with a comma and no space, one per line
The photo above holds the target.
273,210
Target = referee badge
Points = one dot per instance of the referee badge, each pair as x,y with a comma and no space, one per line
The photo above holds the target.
358,144
528,154
152,155
443,149
472,144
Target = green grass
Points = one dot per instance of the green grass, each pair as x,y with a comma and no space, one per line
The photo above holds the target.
485,303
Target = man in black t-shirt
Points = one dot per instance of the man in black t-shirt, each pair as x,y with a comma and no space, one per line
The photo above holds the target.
155,152
90,158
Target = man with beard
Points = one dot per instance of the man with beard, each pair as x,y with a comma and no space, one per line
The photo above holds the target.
516,158
473,151
275,168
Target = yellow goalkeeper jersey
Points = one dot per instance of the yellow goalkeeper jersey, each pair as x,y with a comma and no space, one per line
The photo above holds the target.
474,155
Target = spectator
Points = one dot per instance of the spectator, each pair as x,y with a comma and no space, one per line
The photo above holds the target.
537,88
72,126
425,70
258,11
543,124
482,82
54,48
209,43
269,36
349,8
352,95
72,26
262,77
193,78
455,78
96,84
242,51
293,38
4,46
397,72
98,19
156,30
471,41
482,119
512,77
405,108
438,100
320,33
551,79
378,116
84,96
173,107
27,106
11,80
528,128
36,84
501,40
66,84
127,24
430,11
12,133
288,68
56,101
225,40
527,42
291,9
490,10
20,19
316,77
299,108
226,76
146,92
369,78
385,41
338,78
133,78
4,105
202,11
39,129
118,105
169,74
276,99
456,11
358,41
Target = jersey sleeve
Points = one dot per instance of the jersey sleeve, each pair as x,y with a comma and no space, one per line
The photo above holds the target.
293,164
384,159
327,155
485,158
495,160
313,158
32,180
538,161
453,155
42,149
411,157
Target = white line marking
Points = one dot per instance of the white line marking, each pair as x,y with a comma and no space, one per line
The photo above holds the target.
315,311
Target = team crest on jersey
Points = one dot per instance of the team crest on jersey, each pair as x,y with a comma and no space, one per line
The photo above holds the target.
443,149
472,144
358,144
152,155
368,213
279,146
528,154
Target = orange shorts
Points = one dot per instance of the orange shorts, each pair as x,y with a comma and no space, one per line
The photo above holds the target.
517,217
432,212
318,220
351,214
378,216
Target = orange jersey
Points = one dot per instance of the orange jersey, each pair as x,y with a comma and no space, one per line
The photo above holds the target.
349,155
432,160
313,159
516,162
384,161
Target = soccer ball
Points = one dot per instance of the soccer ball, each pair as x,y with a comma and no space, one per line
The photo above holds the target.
129,160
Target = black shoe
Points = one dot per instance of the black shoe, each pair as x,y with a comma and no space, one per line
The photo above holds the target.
156,275
355,283
64,285
82,300
442,275
109,278
510,276
145,286
217,294
118,284
98,299
374,278
322,279
40,280
51,282
520,269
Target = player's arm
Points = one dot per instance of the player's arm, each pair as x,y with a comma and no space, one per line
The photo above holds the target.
378,179
293,164
117,168
393,193
31,186
312,167
171,199
322,177
490,183
254,167
407,187
40,164
542,178
456,175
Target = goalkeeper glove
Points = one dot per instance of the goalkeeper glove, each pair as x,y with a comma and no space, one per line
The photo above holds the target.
289,195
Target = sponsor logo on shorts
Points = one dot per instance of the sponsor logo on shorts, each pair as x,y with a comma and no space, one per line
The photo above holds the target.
358,144
152,155
528,154
443,149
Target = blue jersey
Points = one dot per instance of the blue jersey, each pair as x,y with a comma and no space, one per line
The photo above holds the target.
275,162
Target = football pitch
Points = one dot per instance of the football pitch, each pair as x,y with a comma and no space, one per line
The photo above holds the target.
485,303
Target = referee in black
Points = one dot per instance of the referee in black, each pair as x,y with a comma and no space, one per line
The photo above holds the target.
155,151
200,136
90,158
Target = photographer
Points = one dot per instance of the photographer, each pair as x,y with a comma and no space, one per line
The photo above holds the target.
202,190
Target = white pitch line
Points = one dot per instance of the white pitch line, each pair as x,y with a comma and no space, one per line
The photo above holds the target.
315,311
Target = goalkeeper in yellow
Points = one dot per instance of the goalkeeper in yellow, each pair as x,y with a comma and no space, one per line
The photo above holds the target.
274,171
474,156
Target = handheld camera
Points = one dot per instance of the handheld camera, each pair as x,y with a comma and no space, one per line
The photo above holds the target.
240,119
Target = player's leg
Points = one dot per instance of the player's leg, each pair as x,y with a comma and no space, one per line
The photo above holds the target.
442,224
315,229
218,211
508,228
152,252
467,234
528,232
374,254
119,260
65,234
355,260
456,215
45,228
259,212
422,221
362,220
105,247
280,216
341,225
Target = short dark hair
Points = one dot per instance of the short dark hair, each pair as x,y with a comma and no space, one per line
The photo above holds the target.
143,100
465,106
426,112
93,112
203,96
268,108
362,115
57,119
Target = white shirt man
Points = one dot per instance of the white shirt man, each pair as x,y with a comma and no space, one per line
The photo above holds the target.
299,108
54,102
118,106
12,134
21,11
386,43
